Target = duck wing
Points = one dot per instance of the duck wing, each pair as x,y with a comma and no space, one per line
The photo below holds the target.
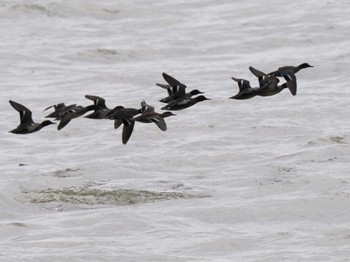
69,114
242,83
117,123
24,113
259,74
99,102
127,131
179,92
60,110
167,87
159,121
270,82
289,76
64,121
178,88
171,80
57,107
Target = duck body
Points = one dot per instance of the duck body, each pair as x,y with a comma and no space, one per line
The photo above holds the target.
124,116
101,110
98,114
148,115
176,88
294,69
27,125
185,102
288,73
171,98
72,113
270,91
178,98
23,129
59,110
245,90
268,84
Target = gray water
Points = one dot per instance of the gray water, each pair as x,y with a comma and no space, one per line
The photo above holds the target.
265,179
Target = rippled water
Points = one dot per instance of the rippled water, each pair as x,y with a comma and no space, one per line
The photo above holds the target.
265,179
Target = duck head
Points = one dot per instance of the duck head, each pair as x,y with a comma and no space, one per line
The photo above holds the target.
167,114
304,65
196,92
47,122
201,98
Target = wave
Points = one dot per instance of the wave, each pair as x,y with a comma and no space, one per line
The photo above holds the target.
64,10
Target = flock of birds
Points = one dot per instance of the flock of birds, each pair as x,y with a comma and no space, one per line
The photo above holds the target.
177,99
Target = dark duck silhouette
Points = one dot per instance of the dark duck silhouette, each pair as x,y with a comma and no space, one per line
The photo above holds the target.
27,124
59,109
101,110
148,115
171,97
288,73
268,84
183,103
124,116
180,99
294,69
271,89
72,113
245,90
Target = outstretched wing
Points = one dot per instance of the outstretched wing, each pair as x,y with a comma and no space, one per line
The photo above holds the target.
64,121
24,113
242,83
167,87
289,76
117,123
99,102
160,122
127,131
259,74
172,81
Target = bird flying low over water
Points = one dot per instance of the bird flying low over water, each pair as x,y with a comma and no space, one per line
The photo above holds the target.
184,102
124,116
176,85
59,110
178,98
268,84
148,115
294,69
171,96
71,113
245,90
271,89
262,77
288,73
101,110
27,124
175,88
